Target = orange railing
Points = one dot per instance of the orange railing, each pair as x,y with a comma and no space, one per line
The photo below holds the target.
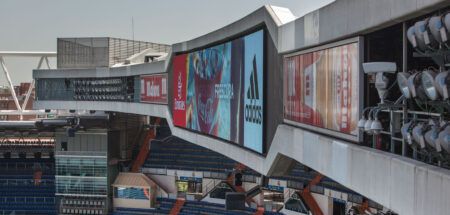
177,206
145,149
309,199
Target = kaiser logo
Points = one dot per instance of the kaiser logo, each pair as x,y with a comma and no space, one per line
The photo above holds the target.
253,110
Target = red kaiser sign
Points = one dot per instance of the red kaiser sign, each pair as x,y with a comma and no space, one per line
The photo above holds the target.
154,88
179,94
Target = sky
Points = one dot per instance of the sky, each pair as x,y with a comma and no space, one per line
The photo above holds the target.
34,25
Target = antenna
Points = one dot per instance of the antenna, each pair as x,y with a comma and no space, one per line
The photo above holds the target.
132,28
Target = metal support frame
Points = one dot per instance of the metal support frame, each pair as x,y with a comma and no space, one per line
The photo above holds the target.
21,110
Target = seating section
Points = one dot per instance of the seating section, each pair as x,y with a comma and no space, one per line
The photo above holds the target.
175,153
165,205
198,207
300,174
20,193
189,208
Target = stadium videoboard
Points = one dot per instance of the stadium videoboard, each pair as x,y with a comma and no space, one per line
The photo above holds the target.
219,91
321,89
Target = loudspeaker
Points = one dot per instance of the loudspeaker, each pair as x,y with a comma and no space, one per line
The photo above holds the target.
238,179
235,201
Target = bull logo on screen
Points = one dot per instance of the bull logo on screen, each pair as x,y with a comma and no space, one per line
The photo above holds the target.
253,110
208,67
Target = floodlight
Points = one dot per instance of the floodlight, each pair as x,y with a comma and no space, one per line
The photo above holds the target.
405,130
437,29
415,86
419,32
412,36
446,22
444,138
431,136
417,134
441,82
402,81
428,85
422,37
381,82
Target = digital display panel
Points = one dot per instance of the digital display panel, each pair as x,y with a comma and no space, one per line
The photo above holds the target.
219,91
321,88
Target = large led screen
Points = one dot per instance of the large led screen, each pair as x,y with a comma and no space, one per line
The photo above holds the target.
219,91
321,88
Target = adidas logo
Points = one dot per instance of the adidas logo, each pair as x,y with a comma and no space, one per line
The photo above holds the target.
253,111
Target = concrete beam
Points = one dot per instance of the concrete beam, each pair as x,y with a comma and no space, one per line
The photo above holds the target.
401,184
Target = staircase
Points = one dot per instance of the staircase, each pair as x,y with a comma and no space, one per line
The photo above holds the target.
145,149
253,192
177,206
309,199
230,180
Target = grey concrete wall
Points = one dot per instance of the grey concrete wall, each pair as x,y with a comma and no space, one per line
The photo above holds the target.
347,18
138,69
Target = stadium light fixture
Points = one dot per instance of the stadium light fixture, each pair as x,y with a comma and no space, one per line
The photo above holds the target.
415,86
427,81
405,130
402,81
437,29
422,37
444,138
417,134
446,23
441,83
432,135
411,35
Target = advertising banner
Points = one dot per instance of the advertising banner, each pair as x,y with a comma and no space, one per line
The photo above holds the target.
321,88
221,88
179,91
154,88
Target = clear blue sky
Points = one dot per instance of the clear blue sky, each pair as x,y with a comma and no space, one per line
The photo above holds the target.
34,25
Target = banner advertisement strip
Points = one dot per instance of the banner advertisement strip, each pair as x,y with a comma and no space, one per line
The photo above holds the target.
154,88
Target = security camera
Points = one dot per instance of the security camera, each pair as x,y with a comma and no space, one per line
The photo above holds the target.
381,81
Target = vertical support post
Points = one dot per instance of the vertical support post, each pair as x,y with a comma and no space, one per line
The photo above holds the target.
404,69
30,89
11,86
391,129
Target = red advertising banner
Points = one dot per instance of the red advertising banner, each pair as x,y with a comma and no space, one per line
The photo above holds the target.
180,88
154,88
321,88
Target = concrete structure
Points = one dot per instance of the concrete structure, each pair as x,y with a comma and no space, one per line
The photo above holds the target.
401,184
